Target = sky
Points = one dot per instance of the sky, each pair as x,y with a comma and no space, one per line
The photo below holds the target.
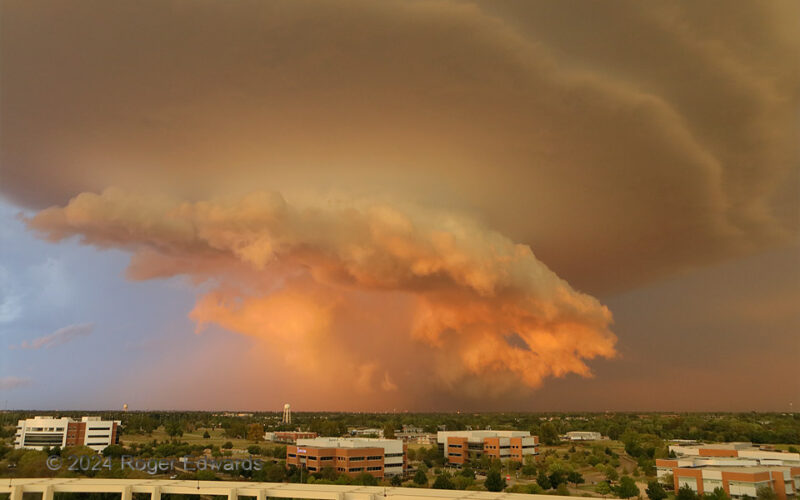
440,205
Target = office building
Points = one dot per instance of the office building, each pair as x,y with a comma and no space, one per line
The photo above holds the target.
739,482
288,436
352,456
460,447
47,432
740,469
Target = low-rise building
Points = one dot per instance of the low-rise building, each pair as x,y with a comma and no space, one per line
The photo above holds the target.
583,436
739,482
732,453
351,456
460,447
365,432
47,432
288,436
740,469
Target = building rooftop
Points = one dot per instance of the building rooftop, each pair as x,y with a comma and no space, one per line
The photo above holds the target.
333,442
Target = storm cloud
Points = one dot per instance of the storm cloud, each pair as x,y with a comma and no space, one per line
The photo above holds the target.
472,173
623,142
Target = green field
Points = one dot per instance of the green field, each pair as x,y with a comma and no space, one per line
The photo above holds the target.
195,437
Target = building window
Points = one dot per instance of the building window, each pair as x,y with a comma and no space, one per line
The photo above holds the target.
373,468
355,469
356,459
376,457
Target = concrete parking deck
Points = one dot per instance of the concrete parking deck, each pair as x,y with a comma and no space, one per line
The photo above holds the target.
234,489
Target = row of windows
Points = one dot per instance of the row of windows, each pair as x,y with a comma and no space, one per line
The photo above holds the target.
352,459
454,454
43,439
355,469
455,446
373,468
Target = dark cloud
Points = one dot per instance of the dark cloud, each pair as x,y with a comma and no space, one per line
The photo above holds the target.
623,142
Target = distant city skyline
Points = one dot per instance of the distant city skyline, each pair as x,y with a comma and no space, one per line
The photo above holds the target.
422,206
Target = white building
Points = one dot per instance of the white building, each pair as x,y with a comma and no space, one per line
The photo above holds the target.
459,446
583,436
46,432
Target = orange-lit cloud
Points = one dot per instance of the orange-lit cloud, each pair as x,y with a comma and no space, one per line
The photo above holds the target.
382,296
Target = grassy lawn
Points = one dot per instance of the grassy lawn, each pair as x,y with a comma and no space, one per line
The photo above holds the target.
194,437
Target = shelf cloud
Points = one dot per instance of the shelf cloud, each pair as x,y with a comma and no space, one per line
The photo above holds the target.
622,142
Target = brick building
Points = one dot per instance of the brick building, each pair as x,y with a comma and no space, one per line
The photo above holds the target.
460,447
351,456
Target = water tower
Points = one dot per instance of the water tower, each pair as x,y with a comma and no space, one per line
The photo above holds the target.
287,414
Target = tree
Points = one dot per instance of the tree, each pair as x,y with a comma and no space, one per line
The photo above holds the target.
388,431
228,445
717,494
328,473
575,478
548,434
255,432
206,435
543,481
685,492
421,478
113,450
411,454
494,481
557,477
603,488
655,491
766,493
443,482
366,479
627,488
174,428
396,481
254,449
612,474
